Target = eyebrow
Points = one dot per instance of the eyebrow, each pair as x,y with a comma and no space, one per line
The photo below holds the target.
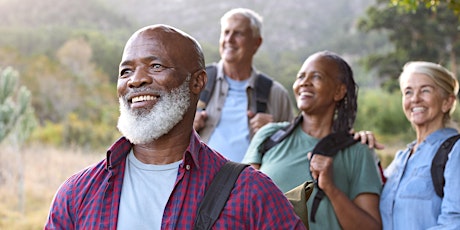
422,86
148,59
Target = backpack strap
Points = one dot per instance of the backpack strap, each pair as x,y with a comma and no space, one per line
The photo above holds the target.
263,86
205,95
329,146
279,136
217,194
438,165
332,143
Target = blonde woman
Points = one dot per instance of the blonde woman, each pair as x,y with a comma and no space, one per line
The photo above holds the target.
408,199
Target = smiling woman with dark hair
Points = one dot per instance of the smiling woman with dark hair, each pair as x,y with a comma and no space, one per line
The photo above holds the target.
326,95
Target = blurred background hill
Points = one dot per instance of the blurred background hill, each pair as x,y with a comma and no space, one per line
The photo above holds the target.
66,54
292,29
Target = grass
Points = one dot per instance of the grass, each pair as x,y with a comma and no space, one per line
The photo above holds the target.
26,205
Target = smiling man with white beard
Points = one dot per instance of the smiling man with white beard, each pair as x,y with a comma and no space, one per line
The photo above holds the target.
142,126
156,175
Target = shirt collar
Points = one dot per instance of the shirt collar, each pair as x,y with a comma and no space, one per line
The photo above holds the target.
435,136
120,149
193,149
252,78
439,134
118,152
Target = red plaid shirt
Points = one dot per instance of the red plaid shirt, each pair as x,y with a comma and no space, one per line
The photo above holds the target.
90,198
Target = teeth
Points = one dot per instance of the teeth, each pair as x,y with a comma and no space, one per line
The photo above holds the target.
306,94
143,98
418,109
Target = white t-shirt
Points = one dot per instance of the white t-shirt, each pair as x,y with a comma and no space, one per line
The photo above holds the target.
145,192
231,136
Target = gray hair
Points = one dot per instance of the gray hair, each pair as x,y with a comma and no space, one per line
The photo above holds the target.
254,18
443,78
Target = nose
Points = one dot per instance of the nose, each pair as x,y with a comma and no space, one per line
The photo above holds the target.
306,80
415,96
139,78
228,36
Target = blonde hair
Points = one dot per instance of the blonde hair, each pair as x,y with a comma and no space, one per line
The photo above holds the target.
442,77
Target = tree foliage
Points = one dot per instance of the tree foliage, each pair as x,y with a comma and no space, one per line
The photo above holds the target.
421,35
412,5
15,109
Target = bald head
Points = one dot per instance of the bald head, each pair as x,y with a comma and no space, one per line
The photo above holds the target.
180,48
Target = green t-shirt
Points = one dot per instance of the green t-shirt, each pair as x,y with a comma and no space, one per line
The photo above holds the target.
355,169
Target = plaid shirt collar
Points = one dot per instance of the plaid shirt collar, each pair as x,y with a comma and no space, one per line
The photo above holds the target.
120,149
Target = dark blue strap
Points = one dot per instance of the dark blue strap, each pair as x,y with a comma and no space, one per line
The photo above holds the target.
438,165
329,146
217,194
263,86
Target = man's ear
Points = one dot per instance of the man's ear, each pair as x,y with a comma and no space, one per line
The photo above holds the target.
198,81
258,42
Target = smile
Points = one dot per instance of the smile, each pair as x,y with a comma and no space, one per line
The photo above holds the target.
418,109
306,94
143,98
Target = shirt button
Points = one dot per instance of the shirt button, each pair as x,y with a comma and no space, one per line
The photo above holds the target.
187,167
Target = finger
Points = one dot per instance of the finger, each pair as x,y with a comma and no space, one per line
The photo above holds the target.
379,146
254,121
314,173
357,136
364,136
251,114
204,114
370,139
352,131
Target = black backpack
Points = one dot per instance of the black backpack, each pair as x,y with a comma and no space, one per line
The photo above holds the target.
263,85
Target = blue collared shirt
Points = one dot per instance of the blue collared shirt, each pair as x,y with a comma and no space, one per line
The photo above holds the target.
408,199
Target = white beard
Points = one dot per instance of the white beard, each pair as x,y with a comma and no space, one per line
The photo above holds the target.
143,126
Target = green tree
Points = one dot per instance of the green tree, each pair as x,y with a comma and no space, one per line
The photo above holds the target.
15,108
412,5
16,117
421,35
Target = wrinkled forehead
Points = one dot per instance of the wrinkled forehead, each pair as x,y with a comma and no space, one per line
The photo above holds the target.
414,79
162,42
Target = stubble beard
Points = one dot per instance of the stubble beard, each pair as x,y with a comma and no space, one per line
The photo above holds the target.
143,126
